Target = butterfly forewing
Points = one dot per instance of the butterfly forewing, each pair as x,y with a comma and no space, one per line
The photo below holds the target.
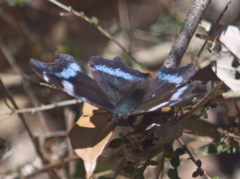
65,74
117,80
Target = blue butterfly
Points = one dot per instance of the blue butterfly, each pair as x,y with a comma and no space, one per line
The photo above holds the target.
118,88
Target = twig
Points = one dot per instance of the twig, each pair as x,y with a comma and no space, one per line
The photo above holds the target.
11,60
102,174
229,134
14,149
32,138
213,28
51,165
100,28
208,96
183,39
69,121
191,156
43,108
233,95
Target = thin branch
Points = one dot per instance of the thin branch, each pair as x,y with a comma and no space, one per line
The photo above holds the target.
213,28
22,118
102,174
69,121
32,138
183,39
11,60
233,95
228,134
191,156
95,23
43,108
51,166
207,97
14,149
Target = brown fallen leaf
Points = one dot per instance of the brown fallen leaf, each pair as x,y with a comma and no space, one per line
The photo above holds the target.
90,135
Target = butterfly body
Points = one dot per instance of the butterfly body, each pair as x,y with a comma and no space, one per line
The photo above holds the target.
116,87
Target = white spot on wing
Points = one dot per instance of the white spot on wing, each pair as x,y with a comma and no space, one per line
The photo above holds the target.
171,78
114,72
178,93
68,87
153,125
173,100
45,77
158,106
71,71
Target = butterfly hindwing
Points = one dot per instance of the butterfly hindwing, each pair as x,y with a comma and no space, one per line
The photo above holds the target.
169,78
65,74
168,89
174,97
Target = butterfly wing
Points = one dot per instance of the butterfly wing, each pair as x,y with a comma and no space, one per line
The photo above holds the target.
168,89
65,74
169,78
117,80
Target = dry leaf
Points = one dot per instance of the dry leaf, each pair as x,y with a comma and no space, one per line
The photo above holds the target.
90,135
227,66
226,70
230,37
227,63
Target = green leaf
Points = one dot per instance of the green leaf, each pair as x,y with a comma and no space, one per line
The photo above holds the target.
219,148
197,114
168,148
151,162
229,149
94,20
167,155
129,169
115,143
180,151
173,174
212,149
175,161
216,177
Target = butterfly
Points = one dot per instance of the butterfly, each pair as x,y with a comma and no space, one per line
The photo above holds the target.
117,88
